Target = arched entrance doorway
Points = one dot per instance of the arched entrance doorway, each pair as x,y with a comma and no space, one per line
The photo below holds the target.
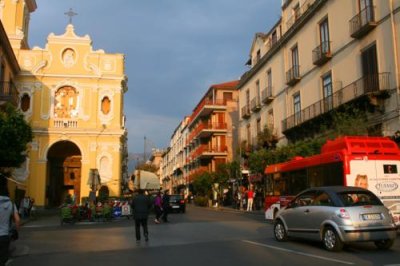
63,173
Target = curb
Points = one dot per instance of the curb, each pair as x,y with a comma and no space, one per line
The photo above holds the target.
227,209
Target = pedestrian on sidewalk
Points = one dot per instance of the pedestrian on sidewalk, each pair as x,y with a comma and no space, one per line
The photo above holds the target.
8,214
141,205
165,206
158,208
250,197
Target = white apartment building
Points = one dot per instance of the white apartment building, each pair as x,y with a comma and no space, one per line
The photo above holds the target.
173,160
320,56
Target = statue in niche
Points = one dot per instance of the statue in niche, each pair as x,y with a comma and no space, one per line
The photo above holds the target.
68,57
66,103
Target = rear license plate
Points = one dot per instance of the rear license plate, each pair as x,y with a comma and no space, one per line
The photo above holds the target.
372,216
175,207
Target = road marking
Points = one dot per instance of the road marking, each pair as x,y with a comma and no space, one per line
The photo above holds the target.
297,252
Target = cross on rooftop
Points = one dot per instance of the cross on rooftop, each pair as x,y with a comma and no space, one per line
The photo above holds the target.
70,14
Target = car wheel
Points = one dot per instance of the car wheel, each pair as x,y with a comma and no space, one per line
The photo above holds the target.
331,240
384,243
280,231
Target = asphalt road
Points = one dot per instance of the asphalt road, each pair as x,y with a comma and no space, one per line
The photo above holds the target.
201,236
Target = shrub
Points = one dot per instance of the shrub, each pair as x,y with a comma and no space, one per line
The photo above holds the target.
201,201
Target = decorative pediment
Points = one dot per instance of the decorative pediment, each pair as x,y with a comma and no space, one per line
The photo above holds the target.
68,37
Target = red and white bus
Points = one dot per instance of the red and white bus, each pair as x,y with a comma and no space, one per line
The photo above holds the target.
370,162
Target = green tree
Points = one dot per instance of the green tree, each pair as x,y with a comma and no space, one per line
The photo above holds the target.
267,139
15,134
202,183
347,121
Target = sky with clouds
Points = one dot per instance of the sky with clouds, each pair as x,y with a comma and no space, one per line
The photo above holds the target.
174,50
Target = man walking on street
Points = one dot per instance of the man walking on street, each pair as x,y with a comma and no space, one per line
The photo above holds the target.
165,202
141,206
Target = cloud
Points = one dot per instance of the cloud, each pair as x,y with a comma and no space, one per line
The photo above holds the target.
175,50
156,128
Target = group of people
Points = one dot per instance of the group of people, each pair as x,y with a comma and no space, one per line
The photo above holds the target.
26,207
161,204
245,198
141,205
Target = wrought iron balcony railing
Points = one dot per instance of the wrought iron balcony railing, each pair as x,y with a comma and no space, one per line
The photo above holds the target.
365,85
245,111
293,75
298,13
363,22
266,95
322,53
255,104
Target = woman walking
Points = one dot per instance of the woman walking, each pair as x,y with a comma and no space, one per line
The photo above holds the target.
158,207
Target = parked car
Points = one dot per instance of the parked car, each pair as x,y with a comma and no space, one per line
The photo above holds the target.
177,203
336,216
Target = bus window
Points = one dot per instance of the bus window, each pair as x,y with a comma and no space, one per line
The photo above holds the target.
390,169
296,182
326,175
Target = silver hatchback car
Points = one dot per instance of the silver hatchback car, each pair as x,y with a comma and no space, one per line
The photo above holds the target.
336,215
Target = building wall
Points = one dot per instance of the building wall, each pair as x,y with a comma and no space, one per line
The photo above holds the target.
345,64
76,96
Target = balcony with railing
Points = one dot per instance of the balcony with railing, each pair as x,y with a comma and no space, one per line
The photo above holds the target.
322,53
8,93
373,84
255,104
266,95
207,151
293,75
363,22
245,112
207,129
298,13
195,172
65,123
206,107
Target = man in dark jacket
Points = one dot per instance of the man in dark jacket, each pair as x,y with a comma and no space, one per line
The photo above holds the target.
141,205
165,203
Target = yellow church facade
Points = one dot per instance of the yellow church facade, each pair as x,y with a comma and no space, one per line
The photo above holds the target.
73,98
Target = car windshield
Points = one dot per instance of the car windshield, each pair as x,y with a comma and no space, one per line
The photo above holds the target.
175,197
358,198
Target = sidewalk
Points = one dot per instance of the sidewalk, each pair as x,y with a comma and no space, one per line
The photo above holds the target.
51,218
231,209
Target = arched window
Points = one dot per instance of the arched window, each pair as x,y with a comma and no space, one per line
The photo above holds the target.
105,169
25,102
105,105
